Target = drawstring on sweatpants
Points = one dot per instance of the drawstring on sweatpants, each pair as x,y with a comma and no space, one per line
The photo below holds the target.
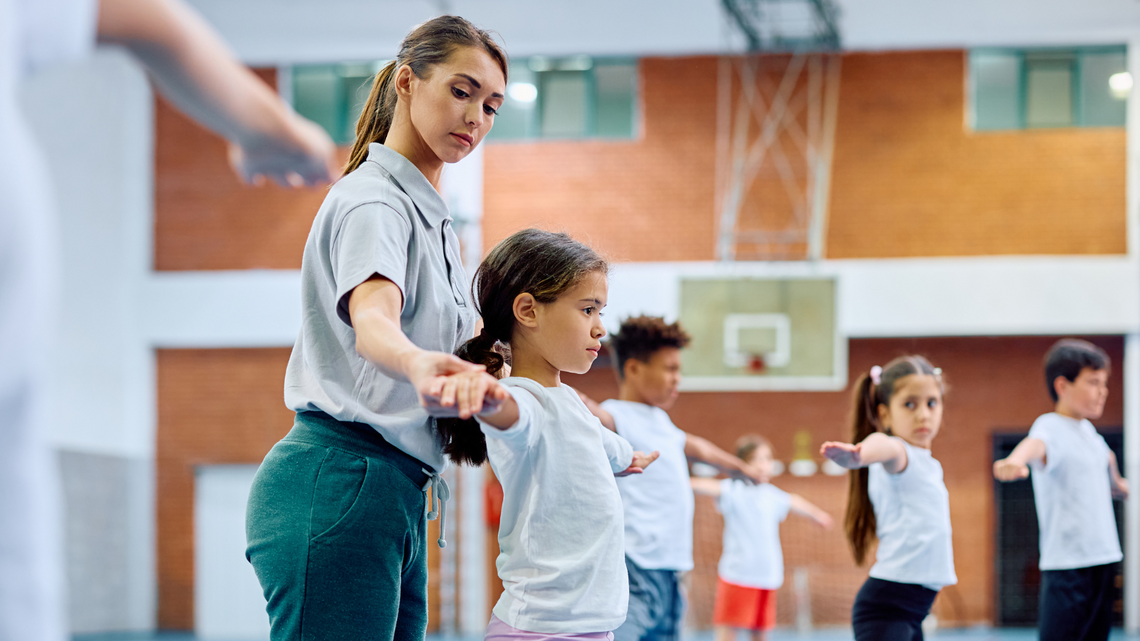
436,507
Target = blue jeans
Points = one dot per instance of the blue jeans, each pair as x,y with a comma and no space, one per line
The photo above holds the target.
655,606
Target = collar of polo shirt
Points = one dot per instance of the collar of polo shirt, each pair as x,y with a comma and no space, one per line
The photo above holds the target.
428,201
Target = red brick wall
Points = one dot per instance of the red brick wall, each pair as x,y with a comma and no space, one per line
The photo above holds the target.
994,384
908,179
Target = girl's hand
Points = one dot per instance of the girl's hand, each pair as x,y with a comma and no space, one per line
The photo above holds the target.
640,462
845,455
1007,470
465,394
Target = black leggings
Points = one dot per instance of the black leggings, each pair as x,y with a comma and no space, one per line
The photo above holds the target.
889,611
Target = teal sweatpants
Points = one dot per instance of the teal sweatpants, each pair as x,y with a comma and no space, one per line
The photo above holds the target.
336,532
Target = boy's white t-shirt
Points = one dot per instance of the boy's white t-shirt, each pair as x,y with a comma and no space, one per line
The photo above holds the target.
659,502
562,553
912,516
751,555
1073,495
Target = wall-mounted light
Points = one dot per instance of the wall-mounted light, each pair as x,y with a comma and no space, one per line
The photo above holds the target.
1120,84
522,92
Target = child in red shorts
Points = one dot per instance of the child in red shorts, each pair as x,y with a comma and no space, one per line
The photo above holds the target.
751,566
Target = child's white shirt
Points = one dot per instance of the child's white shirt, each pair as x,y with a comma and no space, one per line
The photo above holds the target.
1073,495
912,517
751,555
562,554
659,503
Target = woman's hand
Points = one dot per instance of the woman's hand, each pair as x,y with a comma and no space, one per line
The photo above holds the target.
845,455
641,461
464,394
428,372
299,154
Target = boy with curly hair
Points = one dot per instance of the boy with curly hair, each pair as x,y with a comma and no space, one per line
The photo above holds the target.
659,503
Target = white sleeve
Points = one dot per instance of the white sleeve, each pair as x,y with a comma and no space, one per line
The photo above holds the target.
1042,431
618,450
783,502
724,501
520,435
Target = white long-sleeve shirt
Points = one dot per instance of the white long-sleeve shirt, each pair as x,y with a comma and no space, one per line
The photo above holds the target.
561,541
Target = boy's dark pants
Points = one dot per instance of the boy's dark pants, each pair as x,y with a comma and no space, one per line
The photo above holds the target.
1076,605
336,533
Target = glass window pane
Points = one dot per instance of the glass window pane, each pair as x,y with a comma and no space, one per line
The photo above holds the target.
516,118
997,82
1048,91
1100,106
355,85
317,96
614,93
563,95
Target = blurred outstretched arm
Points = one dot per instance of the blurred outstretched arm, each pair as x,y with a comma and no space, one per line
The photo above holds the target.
191,66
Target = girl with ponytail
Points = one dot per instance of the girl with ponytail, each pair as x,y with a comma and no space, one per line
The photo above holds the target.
561,534
896,495
335,524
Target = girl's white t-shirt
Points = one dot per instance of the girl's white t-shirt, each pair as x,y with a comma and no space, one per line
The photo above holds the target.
912,516
1073,495
751,555
562,554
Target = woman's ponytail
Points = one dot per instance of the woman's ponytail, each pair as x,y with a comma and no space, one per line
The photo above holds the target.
375,118
860,520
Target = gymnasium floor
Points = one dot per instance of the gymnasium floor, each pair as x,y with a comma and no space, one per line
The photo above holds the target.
967,634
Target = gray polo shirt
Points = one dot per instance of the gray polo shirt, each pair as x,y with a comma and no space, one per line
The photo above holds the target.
383,218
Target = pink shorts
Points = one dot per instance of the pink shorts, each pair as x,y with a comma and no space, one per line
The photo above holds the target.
498,630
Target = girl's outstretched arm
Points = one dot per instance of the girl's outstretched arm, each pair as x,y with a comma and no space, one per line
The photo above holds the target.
1016,466
876,448
706,487
474,393
803,507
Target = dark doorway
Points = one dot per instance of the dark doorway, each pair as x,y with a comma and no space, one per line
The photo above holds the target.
1015,532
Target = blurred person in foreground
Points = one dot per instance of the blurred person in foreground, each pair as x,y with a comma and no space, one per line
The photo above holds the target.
193,68
659,503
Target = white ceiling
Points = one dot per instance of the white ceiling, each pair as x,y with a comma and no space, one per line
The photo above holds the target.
280,31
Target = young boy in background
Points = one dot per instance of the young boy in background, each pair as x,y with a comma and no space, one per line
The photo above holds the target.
659,503
1075,477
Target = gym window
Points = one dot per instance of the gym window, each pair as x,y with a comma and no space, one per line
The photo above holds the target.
1032,89
330,95
547,98
578,97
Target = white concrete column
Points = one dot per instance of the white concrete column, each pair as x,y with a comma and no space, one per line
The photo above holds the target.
1132,472
472,540
462,189
1132,366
